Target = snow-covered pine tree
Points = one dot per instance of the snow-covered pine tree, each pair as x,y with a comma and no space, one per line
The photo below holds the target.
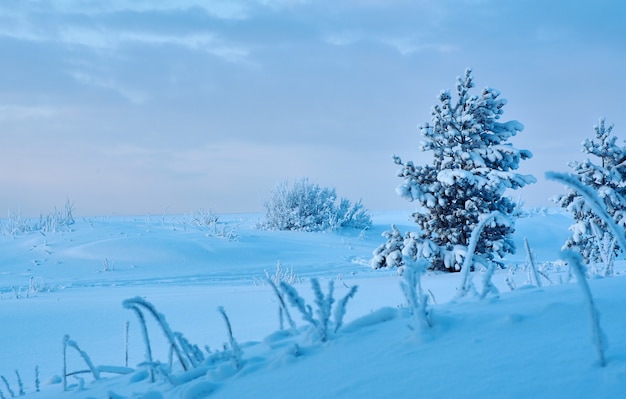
590,233
473,166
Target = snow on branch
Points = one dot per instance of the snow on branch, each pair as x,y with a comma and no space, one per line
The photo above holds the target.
472,167
593,201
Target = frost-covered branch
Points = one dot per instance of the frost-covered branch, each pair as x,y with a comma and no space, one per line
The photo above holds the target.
8,386
324,304
298,302
412,288
578,269
531,262
466,279
137,303
68,342
283,307
237,353
145,336
593,201
340,308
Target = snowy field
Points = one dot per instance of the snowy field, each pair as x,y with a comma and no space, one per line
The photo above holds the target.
527,341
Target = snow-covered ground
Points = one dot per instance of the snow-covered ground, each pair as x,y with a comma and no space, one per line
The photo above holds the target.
525,342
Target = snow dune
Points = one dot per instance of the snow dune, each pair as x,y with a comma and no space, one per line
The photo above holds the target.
529,342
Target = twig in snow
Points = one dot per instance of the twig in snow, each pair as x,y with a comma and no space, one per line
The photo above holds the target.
579,270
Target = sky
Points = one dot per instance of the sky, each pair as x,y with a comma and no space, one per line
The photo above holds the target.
143,107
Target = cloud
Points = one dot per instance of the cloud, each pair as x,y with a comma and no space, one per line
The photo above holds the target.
111,27
111,41
19,112
404,45
223,9
408,46
155,98
134,96
203,42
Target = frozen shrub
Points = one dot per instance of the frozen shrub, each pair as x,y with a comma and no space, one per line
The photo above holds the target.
281,273
309,207
56,221
415,296
324,304
203,218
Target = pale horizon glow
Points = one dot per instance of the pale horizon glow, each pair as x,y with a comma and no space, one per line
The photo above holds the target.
135,108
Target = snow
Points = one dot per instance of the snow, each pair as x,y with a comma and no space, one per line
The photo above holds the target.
527,342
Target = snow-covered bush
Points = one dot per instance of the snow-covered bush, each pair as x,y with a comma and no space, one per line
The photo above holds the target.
473,166
281,273
55,221
607,178
210,222
203,218
309,207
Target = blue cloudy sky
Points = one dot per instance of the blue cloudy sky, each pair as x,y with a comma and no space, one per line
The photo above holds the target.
129,107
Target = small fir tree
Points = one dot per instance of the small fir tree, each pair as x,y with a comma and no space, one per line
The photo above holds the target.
590,234
473,166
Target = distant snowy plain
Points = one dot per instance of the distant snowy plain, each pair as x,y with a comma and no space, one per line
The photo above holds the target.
527,341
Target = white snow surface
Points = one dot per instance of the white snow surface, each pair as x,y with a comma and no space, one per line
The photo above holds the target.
526,342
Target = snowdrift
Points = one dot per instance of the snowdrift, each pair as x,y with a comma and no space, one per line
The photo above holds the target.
524,341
